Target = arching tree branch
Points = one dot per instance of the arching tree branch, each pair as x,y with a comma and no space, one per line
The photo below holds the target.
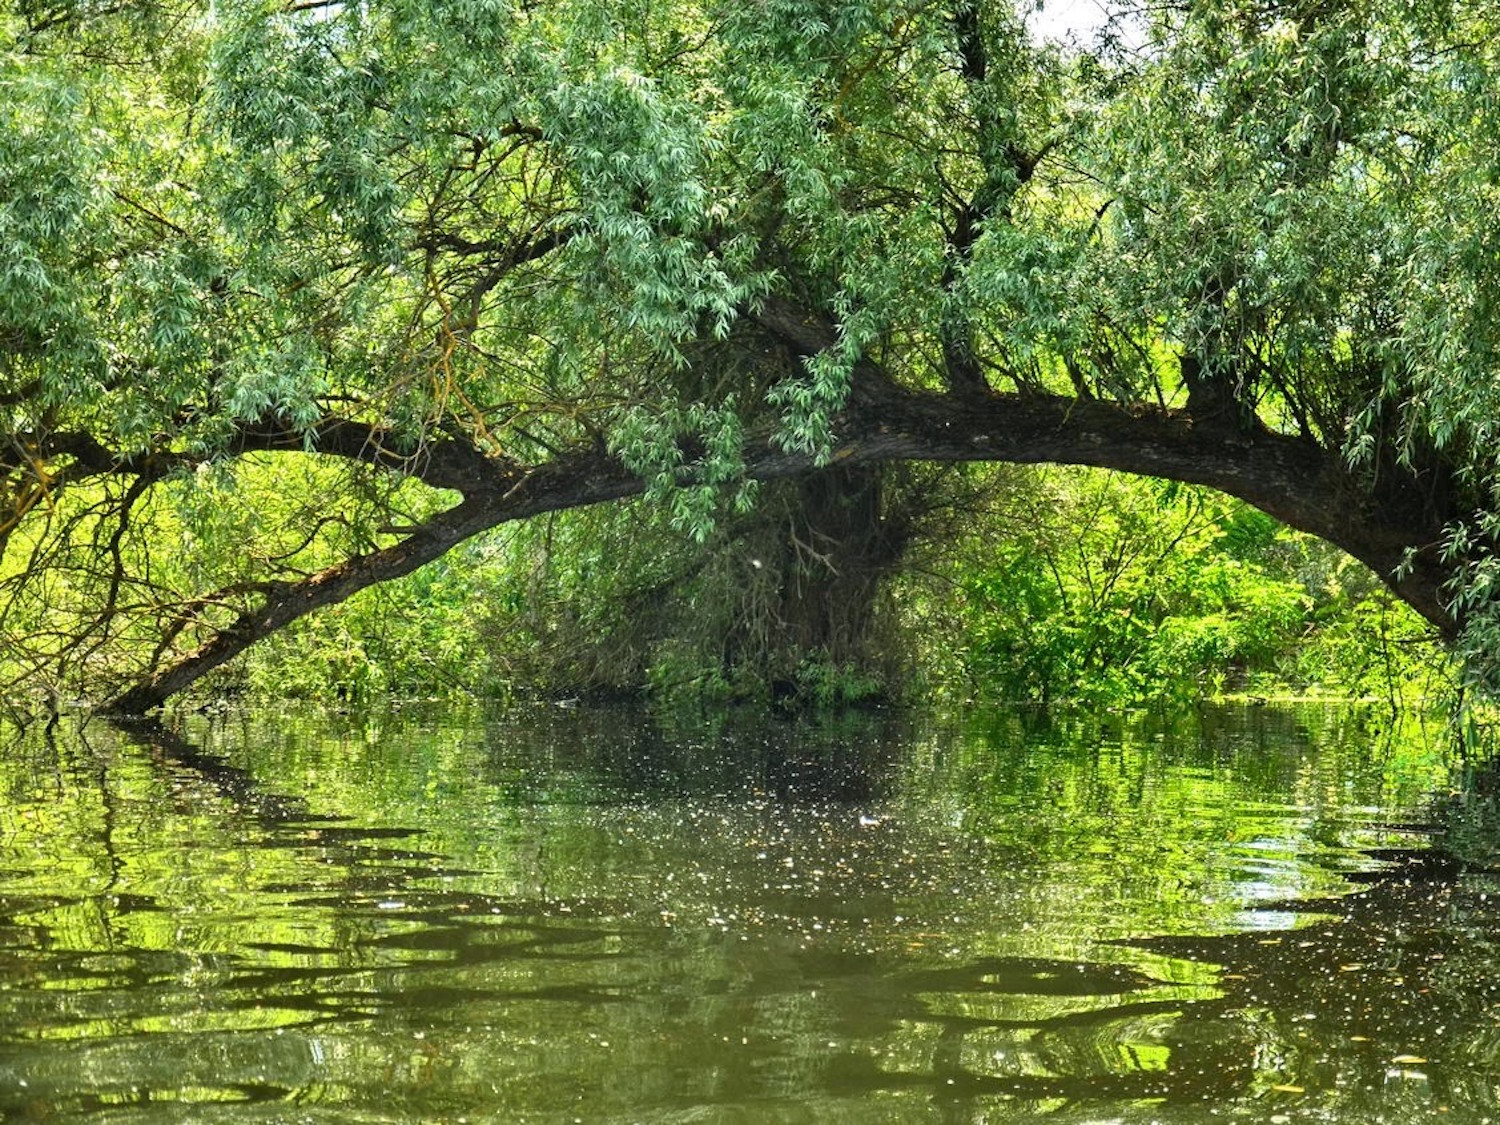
1287,477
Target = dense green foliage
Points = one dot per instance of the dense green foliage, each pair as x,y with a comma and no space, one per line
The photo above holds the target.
1097,588
295,298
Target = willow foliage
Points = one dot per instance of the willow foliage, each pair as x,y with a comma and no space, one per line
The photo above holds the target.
529,256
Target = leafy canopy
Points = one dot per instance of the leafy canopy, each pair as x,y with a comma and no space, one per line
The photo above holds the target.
548,253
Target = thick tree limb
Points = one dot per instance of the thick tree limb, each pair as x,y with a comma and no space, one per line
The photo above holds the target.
1303,485
587,479
442,462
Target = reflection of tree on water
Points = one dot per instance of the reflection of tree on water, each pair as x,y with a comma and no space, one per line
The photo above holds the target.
1032,1030
583,911
844,758
1385,1006
1387,997
190,918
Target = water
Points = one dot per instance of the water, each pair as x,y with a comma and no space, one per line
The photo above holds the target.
571,915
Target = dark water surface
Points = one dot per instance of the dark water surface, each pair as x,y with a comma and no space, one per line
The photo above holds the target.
570,915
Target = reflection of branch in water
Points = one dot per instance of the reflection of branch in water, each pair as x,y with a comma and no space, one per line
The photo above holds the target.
235,785
351,929
1402,969
1037,1029
364,870
109,893
369,869
1209,1078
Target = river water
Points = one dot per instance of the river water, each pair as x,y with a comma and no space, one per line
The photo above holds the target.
574,915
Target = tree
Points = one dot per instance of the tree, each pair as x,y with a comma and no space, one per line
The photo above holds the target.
295,297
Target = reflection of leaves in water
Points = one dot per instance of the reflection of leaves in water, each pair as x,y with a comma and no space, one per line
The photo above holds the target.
1038,1029
1032,976
1400,971
581,914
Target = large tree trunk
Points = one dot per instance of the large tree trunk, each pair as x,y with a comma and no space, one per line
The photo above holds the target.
838,543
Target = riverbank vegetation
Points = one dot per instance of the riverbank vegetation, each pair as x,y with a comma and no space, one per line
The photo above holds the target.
710,348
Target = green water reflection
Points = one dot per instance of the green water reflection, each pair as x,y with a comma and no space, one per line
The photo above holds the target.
559,915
